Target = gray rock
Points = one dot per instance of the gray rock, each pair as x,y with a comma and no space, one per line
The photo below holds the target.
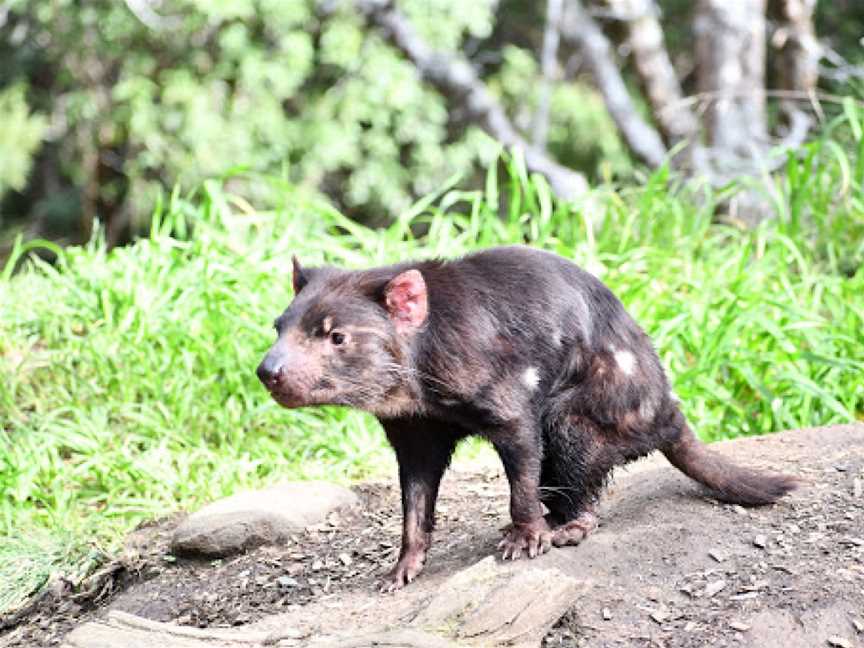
476,606
712,589
255,518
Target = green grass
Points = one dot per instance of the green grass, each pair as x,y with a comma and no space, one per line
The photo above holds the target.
127,386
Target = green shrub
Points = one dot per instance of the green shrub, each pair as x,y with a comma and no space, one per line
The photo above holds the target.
20,137
260,85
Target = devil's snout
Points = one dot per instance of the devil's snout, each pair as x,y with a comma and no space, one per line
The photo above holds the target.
289,375
270,370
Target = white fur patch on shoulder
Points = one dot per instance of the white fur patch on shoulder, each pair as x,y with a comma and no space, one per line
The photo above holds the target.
626,361
531,378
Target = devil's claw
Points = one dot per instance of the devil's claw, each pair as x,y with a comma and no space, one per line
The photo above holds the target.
533,539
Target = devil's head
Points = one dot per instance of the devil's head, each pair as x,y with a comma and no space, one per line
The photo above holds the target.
345,338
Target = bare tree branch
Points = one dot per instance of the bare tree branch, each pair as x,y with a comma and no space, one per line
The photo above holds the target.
651,59
797,128
840,69
578,28
798,63
144,11
454,77
548,62
704,98
795,38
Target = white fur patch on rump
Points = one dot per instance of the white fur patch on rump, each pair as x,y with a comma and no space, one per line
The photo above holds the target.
626,362
531,378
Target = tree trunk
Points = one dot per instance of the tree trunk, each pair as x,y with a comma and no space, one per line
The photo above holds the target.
730,55
798,63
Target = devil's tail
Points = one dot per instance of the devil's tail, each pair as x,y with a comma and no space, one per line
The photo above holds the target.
726,481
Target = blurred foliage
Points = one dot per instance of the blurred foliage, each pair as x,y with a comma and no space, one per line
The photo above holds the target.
20,136
840,24
102,107
137,102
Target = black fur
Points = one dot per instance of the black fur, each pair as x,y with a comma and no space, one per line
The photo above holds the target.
517,345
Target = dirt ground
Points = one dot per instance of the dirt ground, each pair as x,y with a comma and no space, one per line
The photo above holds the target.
352,550
667,566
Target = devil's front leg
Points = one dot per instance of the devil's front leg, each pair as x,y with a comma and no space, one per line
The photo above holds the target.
423,451
518,445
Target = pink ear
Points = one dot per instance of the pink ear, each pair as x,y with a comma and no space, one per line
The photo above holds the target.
407,301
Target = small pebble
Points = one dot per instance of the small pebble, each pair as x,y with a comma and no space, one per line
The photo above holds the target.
689,626
745,596
284,633
295,568
839,642
717,554
606,613
740,626
857,487
653,593
317,565
659,615
760,541
345,559
286,581
859,627
712,589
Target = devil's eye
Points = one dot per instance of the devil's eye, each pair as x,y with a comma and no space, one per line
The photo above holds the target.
337,338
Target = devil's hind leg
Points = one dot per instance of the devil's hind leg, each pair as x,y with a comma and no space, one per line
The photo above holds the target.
576,464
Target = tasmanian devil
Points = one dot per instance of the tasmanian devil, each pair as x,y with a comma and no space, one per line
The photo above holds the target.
517,345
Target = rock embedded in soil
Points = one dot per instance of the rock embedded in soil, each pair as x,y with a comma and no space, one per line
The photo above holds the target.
254,518
712,589
474,607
